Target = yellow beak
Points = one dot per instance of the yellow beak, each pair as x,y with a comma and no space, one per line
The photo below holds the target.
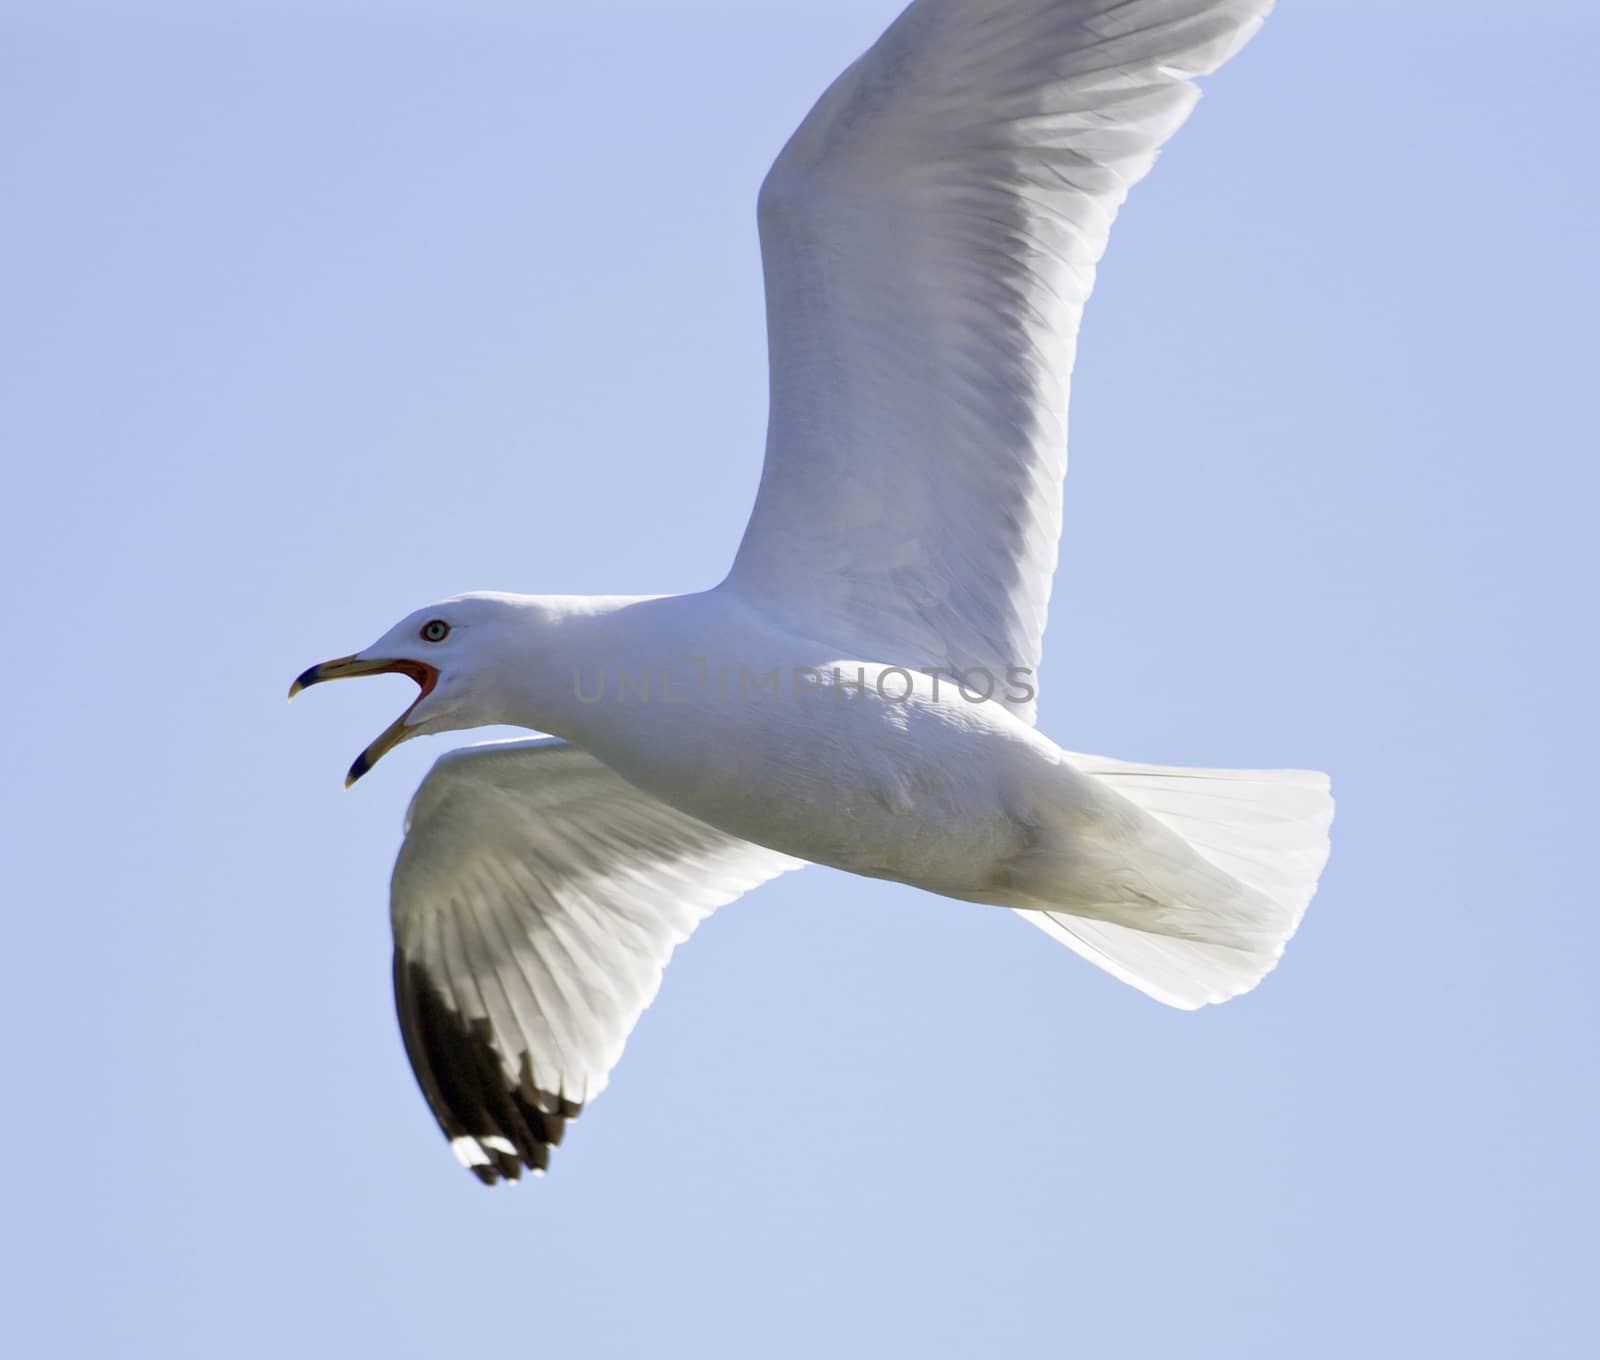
344,668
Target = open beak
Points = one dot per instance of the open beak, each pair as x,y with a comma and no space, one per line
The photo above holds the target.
343,668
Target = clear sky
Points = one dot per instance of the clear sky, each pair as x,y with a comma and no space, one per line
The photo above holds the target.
313,312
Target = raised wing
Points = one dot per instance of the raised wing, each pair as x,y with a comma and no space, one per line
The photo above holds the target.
536,900
930,237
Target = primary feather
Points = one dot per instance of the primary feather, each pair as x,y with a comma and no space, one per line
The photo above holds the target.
536,900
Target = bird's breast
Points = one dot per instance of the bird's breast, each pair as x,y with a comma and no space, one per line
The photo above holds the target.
855,765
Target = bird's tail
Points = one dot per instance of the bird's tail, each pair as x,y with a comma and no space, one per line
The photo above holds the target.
1203,937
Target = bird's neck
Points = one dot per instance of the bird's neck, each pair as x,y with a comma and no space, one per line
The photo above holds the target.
564,638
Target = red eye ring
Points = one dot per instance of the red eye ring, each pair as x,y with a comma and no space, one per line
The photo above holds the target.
435,630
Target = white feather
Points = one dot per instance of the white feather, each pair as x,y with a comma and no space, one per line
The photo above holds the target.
1267,829
543,896
930,235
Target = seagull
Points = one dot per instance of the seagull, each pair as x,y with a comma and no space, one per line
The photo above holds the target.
860,691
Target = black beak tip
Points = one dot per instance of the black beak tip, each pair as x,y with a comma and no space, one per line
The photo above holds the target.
305,680
359,768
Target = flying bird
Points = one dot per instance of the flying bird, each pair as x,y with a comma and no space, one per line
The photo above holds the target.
860,690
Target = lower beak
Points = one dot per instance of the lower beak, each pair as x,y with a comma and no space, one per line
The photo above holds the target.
345,667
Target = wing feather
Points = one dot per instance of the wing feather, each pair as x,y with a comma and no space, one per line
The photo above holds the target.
930,236
536,899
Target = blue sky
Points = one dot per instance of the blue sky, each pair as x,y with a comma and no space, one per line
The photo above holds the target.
316,312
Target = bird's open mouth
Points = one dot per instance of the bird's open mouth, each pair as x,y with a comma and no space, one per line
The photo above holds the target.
343,668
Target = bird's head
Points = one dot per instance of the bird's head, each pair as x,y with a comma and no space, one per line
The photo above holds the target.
453,650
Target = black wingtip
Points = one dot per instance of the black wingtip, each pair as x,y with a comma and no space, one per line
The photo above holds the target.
463,1078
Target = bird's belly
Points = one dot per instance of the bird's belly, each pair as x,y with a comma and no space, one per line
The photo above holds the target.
921,790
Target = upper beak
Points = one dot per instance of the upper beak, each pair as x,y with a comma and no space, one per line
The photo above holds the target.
345,667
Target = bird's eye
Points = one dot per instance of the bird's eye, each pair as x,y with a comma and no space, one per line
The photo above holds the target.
435,630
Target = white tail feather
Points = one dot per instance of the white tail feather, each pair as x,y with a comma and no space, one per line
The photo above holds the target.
1268,829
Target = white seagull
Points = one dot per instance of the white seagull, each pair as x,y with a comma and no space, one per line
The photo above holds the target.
859,692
